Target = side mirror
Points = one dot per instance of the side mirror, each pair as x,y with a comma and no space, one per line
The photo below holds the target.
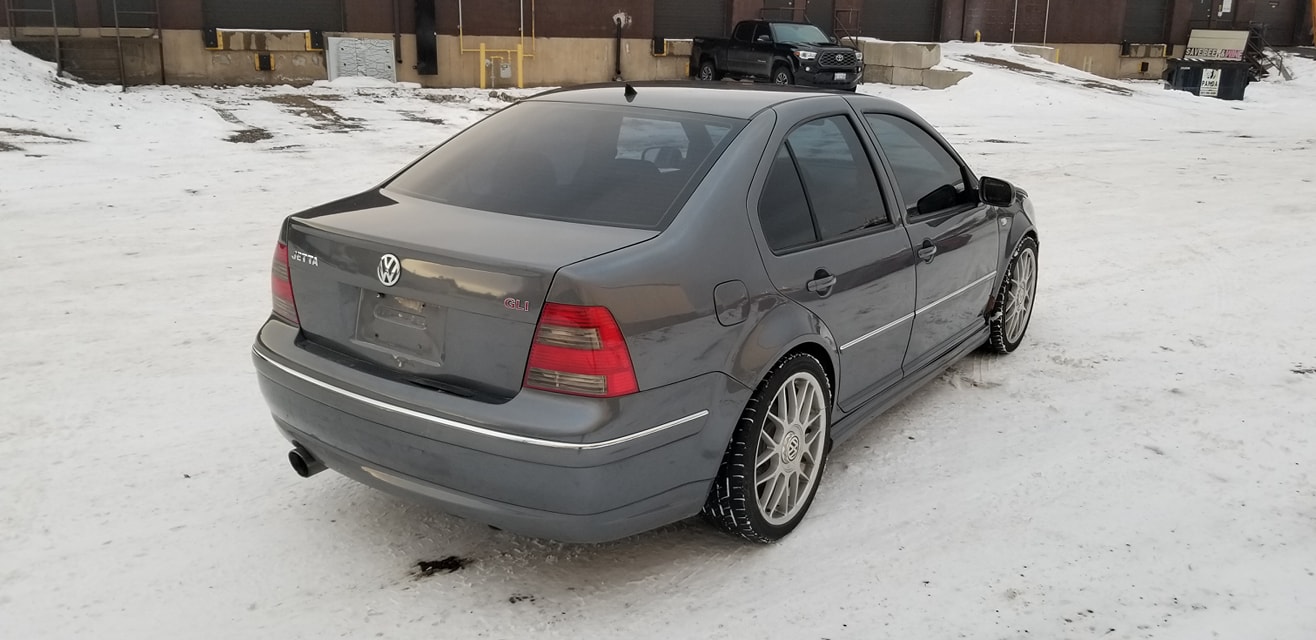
765,39
996,192
832,39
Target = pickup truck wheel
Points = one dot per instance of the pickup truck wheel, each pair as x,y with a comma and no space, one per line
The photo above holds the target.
782,75
777,454
708,71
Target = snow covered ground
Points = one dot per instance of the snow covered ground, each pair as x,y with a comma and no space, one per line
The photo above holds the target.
1144,467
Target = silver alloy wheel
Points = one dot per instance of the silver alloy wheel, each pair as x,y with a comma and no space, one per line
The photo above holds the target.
1019,298
706,72
790,449
781,77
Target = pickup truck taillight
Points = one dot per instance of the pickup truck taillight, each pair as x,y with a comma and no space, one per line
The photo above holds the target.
285,307
580,351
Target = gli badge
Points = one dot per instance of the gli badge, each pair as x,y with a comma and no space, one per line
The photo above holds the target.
389,270
516,305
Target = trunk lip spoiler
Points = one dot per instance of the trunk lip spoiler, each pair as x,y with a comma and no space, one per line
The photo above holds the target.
470,428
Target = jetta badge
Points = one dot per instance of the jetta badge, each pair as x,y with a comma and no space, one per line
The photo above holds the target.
390,269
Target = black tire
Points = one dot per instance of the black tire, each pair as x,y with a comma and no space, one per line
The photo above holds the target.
708,71
781,74
734,502
1008,323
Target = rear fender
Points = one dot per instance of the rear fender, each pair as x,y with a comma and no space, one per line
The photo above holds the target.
782,330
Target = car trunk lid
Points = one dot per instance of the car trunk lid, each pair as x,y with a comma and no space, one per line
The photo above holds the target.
469,287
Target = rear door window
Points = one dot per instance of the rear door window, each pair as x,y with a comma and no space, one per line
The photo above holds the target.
929,178
821,187
615,166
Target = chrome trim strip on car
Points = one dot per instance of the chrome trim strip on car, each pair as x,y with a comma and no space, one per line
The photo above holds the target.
876,331
539,442
958,292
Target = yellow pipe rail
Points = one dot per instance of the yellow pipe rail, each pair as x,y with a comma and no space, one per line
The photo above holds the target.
519,53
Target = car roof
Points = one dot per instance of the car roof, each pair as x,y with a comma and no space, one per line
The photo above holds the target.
725,99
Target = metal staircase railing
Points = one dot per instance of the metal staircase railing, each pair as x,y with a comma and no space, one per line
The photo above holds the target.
12,14
845,24
1261,56
154,15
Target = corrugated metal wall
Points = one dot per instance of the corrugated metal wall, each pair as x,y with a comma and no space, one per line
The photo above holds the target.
319,15
690,18
901,19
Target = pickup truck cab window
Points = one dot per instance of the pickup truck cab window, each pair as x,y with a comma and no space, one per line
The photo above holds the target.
744,32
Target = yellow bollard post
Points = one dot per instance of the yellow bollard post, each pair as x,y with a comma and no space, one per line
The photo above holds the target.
520,62
483,75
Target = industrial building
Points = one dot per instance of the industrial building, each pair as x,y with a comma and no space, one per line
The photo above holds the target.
495,43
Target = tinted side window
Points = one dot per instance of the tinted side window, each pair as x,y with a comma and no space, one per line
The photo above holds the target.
762,30
928,177
783,207
744,32
837,175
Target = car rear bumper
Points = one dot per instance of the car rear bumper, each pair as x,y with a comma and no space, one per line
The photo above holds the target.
542,464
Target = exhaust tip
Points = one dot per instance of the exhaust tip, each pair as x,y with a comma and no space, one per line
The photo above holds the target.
305,464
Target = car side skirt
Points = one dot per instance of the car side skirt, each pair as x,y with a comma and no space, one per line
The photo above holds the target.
849,424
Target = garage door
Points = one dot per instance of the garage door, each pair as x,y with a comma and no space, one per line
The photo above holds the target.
675,19
900,19
316,15
1144,21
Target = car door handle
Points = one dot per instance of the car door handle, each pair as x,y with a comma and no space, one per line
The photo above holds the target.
822,283
928,251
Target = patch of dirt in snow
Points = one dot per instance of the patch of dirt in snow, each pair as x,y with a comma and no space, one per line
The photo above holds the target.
448,564
36,134
326,119
253,134
1017,67
5,146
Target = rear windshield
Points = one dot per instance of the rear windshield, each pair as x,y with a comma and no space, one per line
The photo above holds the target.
616,166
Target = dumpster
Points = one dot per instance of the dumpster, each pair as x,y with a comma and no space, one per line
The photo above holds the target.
1223,79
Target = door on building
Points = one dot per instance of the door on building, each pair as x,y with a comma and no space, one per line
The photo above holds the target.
901,19
1279,19
1144,22
673,19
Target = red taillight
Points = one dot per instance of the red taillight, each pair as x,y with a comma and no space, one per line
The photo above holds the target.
281,285
580,350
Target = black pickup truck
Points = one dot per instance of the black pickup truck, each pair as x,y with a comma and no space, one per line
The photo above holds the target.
779,52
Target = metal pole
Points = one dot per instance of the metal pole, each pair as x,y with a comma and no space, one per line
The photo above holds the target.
8,19
397,32
159,39
1014,28
1046,23
118,44
54,22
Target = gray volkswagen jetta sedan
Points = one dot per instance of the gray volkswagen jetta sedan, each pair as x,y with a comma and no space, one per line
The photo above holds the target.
609,308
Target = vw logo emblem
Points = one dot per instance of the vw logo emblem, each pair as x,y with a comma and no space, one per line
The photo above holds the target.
390,269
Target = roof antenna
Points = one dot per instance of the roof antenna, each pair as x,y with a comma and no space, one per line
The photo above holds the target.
631,93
